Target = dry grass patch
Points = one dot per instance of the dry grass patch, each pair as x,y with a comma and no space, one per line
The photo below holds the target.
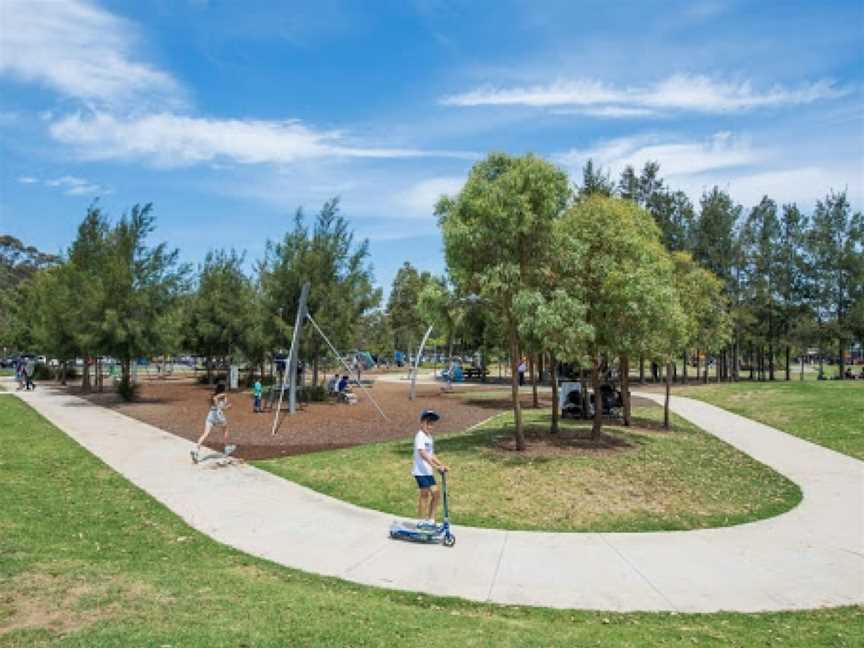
61,603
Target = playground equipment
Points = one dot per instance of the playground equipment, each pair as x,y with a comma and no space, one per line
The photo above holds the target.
414,532
290,372
417,364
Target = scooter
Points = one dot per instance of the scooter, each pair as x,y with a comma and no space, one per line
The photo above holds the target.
440,533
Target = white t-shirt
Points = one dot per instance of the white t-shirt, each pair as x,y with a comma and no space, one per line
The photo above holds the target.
422,441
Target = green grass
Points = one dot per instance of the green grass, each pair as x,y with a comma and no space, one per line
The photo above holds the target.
830,413
86,560
652,480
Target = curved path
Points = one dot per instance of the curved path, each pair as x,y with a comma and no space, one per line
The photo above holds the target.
812,556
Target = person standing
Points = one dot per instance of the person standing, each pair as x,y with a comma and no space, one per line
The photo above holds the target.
257,390
521,369
29,371
423,470
19,373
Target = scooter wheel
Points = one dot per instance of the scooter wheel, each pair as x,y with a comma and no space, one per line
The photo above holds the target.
449,541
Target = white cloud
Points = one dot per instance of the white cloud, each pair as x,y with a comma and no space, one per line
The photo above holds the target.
608,112
168,139
803,185
69,185
731,162
80,51
676,156
691,93
420,198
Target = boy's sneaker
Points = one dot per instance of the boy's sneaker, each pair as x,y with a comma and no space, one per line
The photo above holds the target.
194,455
229,449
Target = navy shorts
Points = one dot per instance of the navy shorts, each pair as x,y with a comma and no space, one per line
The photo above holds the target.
425,481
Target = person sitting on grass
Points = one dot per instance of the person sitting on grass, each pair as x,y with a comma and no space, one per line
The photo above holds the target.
215,416
425,464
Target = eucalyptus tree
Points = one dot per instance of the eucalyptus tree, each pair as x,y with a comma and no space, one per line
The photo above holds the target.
498,235
625,284
440,305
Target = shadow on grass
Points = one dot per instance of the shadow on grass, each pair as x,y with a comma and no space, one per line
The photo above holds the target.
496,440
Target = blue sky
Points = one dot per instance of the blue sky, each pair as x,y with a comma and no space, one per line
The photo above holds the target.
230,115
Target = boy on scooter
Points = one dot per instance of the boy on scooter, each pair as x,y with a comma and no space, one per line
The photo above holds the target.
425,464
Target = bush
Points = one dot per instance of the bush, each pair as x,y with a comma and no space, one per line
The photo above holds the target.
128,390
312,393
43,372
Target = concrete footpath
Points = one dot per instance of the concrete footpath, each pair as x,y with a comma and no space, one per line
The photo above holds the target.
812,556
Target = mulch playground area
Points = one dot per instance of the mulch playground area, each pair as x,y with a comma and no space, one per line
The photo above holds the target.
181,407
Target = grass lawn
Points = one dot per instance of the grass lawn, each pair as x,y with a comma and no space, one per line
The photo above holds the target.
646,479
830,413
86,559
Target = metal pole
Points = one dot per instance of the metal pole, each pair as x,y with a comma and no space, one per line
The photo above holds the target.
291,367
295,349
417,365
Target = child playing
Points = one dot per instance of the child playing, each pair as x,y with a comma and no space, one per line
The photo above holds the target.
257,391
215,416
425,463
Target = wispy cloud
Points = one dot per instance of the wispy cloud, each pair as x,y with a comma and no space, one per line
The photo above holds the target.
168,139
80,51
69,185
676,156
700,94
419,199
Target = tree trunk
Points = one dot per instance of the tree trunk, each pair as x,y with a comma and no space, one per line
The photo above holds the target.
597,427
842,359
771,361
788,363
63,373
532,362
624,370
684,379
209,370
802,367
698,365
641,370
553,374
518,432
668,391
85,375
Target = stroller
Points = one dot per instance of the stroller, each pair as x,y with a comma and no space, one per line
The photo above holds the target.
570,400
572,404
613,402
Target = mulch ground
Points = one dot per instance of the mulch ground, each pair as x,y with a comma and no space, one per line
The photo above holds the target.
181,407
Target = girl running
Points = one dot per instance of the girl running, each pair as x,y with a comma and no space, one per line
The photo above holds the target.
216,416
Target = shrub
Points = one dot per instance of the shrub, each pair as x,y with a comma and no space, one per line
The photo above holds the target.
127,390
312,393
